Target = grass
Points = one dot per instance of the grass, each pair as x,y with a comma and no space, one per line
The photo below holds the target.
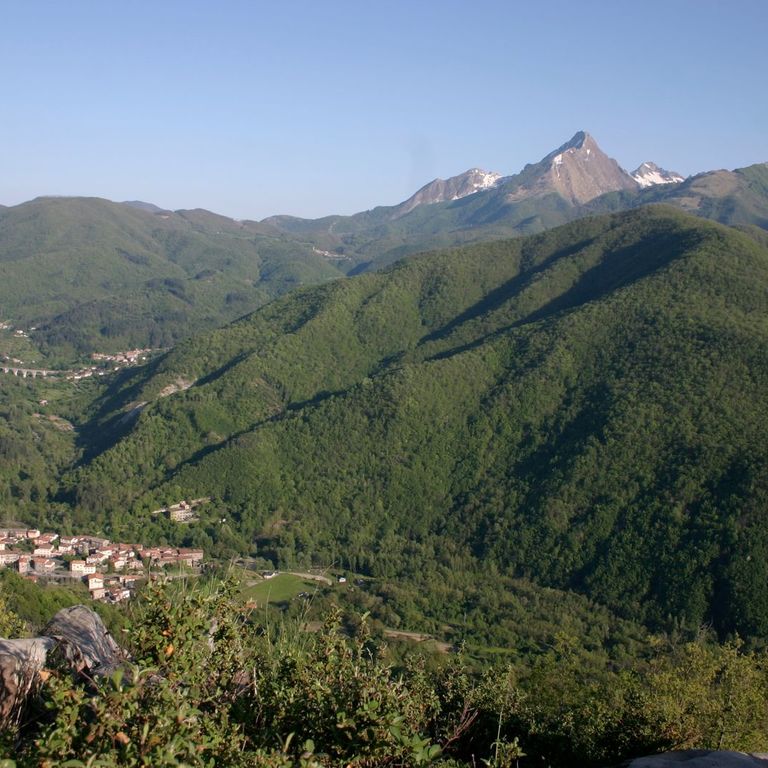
20,348
279,589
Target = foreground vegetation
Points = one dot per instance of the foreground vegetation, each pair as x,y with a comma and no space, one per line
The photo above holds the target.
208,684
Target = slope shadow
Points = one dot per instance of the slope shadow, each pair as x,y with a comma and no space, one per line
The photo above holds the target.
495,298
101,431
289,409
97,436
618,269
228,366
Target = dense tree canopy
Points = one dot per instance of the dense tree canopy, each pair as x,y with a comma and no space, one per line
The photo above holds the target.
583,409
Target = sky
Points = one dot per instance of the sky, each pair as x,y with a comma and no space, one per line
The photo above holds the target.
309,108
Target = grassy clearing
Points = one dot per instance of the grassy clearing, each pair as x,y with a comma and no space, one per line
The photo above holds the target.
279,589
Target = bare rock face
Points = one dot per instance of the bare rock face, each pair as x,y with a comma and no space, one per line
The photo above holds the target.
700,758
579,171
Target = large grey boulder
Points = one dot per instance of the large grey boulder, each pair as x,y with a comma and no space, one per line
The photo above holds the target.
84,642
75,635
700,758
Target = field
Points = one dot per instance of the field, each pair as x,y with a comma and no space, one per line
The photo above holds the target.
279,589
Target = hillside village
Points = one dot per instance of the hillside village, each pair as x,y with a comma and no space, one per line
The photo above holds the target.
110,570
103,364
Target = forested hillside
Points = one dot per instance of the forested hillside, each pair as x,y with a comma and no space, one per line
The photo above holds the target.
91,275
583,409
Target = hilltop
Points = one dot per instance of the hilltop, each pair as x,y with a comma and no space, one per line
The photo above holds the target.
90,275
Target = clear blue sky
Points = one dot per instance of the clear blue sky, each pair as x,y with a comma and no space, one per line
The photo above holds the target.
254,108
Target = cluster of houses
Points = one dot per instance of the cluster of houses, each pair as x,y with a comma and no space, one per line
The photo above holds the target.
118,361
182,511
111,570
83,373
131,357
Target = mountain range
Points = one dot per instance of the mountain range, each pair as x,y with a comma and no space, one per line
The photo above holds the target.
442,213
578,171
572,181
88,274
92,275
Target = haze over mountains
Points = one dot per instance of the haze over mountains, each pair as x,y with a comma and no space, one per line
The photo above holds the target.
91,274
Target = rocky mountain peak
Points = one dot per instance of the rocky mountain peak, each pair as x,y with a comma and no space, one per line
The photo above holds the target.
578,171
454,188
580,138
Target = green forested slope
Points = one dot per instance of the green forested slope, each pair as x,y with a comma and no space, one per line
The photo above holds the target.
737,197
584,409
92,274
35,447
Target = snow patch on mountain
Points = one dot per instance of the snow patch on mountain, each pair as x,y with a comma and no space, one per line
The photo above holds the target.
649,175
442,190
477,179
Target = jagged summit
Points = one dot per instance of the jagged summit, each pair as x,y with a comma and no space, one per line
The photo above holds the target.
577,141
578,171
649,174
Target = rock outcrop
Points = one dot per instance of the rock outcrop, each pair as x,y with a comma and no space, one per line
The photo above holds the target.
75,636
579,171
440,190
700,758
